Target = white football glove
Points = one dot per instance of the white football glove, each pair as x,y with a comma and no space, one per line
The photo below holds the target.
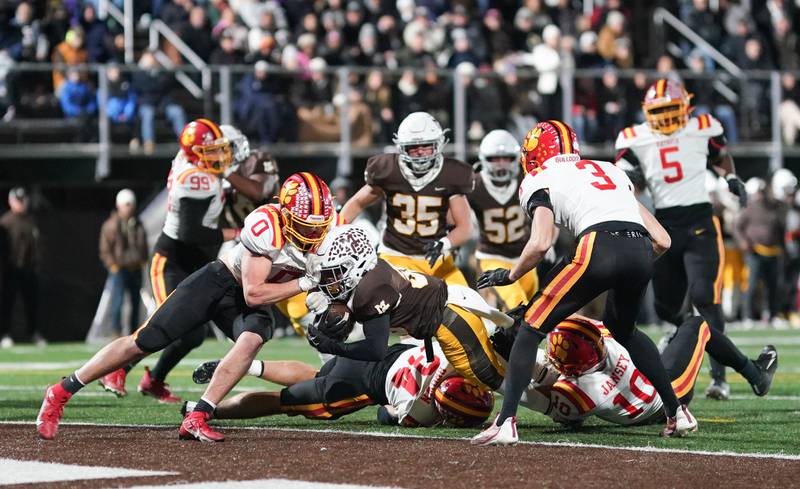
317,302
230,169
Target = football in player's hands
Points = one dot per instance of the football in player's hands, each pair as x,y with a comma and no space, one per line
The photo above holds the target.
337,322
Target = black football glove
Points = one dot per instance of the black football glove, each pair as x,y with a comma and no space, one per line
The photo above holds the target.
334,330
433,251
493,278
319,340
736,187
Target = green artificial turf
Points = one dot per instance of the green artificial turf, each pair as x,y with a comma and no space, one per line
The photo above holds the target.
744,424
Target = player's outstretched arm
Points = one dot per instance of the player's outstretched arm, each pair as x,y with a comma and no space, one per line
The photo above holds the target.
364,198
252,188
659,235
257,292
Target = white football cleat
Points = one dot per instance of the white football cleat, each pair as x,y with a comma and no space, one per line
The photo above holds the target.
720,391
681,425
505,434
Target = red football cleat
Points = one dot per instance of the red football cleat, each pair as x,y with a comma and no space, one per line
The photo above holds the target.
195,427
55,397
156,388
115,382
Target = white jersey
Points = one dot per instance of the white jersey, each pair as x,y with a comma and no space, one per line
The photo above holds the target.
674,165
619,393
262,234
186,181
583,192
408,385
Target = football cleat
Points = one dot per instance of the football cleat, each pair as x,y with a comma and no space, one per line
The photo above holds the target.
55,397
505,434
681,424
195,427
767,363
115,382
156,388
203,373
720,391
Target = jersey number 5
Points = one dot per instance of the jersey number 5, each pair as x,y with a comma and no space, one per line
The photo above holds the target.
604,183
670,165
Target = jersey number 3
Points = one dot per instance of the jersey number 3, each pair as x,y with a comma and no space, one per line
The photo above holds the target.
603,182
670,165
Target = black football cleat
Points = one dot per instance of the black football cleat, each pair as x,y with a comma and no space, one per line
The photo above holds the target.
203,373
767,363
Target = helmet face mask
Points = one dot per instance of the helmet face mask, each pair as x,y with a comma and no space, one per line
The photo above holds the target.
420,141
347,255
306,209
666,106
240,145
498,153
204,145
575,347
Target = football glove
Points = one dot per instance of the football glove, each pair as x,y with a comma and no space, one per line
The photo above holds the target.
230,169
340,329
435,249
736,187
318,339
317,302
494,278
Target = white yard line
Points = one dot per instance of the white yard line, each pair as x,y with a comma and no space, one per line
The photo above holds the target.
30,472
378,434
265,484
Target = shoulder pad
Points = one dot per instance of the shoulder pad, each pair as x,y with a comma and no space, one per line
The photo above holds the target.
530,184
459,174
262,233
575,395
629,136
379,168
705,125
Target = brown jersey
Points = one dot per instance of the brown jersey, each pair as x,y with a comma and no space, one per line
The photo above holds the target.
414,301
237,206
414,218
504,227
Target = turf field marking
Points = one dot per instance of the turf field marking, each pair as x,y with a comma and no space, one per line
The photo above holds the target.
717,420
265,483
378,434
30,472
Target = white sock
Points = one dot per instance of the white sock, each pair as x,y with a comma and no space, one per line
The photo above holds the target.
256,368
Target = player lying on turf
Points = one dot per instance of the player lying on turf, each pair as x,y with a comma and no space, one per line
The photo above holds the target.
412,388
383,297
596,377
267,266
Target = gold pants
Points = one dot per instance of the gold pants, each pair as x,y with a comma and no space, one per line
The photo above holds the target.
444,268
465,343
295,308
520,292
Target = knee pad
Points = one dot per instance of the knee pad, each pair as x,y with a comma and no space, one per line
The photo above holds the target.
259,322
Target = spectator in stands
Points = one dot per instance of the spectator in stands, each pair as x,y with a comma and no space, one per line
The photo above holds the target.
462,49
786,45
265,27
760,230
378,97
497,38
266,51
175,13
665,67
22,38
733,46
331,51
96,34
436,95
611,105
77,100
566,17
789,111
522,33
70,52
755,91
353,20
367,54
121,102
546,58
634,94
153,87
21,267
460,19
123,251
707,100
389,40
414,55
613,30
226,53
704,22
255,106
197,33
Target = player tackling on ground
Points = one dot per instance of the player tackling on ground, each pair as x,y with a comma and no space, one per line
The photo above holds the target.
618,240
672,153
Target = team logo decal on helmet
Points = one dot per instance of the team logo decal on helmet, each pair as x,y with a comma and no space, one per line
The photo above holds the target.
347,255
203,144
306,209
575,347
547,140
666,106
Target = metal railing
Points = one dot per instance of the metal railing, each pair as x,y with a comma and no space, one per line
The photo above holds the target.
159,29
460,112
125,19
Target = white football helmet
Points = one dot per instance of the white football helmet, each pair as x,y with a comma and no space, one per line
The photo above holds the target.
239,142
784,183
345,256
419,129
499,145
755,185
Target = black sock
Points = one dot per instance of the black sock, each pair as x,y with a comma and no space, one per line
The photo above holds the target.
644,355
175,352
519,370
204,406
71,384
712,313
750,372
724,351
127,368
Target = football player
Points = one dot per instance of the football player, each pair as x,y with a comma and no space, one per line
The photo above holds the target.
504,228
403,383
419,185
267,266
383,297
670,153
596,377
189,240
617,240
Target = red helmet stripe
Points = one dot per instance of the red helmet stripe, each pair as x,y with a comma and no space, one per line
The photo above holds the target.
566,136
316,193
213,126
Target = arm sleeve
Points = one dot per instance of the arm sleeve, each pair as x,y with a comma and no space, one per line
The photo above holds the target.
716,145
190,227
540,198
372,348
